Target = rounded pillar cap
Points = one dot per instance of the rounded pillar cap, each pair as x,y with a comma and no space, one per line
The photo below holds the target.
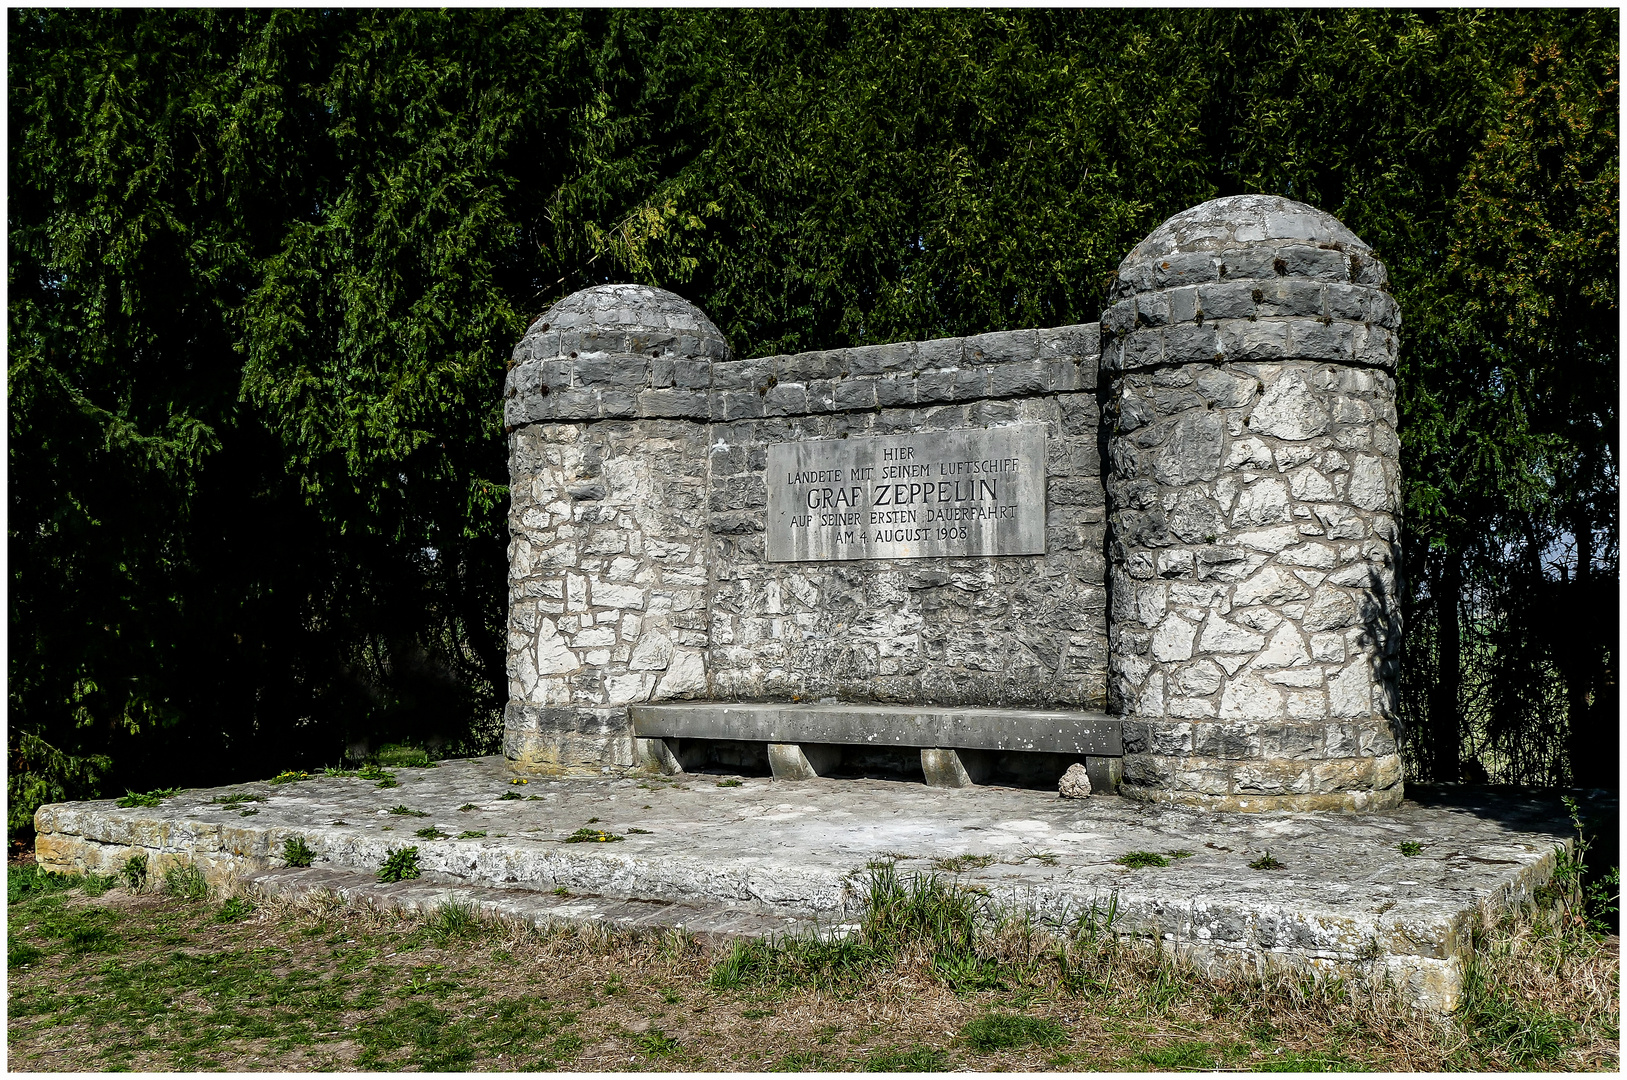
1245,225
640,309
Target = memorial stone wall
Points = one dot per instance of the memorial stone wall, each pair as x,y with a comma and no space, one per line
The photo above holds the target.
927,523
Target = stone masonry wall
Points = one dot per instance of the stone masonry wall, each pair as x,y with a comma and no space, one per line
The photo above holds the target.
637,568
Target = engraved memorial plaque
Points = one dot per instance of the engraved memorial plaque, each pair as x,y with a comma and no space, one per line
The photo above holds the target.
930,493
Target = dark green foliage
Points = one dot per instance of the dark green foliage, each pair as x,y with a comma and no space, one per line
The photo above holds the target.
407,811
295,852
399,865
266,266
432,833
409,756
510,796
1410,848
1006,1031
1267,862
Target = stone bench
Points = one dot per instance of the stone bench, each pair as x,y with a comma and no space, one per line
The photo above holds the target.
959,746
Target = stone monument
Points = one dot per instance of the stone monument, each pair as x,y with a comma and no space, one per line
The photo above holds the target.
907,544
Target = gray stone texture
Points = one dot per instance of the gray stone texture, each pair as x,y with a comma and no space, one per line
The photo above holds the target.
637,572
1253,492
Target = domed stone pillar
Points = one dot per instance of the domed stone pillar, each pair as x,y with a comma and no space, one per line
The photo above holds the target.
607,406
1253,496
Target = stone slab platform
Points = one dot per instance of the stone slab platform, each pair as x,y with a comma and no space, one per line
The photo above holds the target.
774,855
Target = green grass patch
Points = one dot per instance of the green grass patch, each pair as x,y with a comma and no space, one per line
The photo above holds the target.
186,880
909,1059
1008,1031
399,756
1410,848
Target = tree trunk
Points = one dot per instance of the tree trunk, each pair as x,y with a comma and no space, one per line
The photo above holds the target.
1587,641
1445,726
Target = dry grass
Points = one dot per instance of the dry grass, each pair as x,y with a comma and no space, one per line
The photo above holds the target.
153,981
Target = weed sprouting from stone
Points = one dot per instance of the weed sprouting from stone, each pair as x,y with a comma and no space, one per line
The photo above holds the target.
295,852
468,806
510,795
236,799
957,863
1180,853
1049,858
383,779
586,835
1267,862
1138,860
1007,1031
399,865
432,833
1410,848
406,811
151,798
729,783
291,776
472,834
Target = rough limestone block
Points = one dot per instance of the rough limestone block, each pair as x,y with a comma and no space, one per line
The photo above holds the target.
1075,783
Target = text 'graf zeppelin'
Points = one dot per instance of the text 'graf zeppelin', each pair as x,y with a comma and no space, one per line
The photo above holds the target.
931,493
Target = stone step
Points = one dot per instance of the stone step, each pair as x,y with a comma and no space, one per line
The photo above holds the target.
711,923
